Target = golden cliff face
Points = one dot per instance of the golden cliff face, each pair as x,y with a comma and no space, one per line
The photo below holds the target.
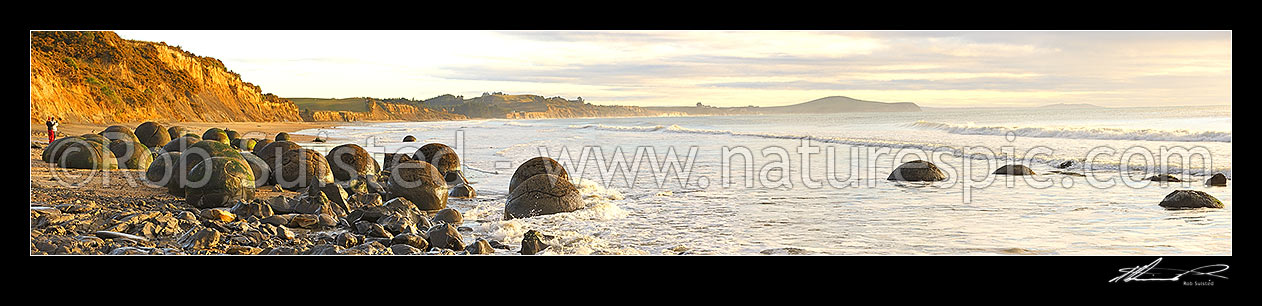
97,77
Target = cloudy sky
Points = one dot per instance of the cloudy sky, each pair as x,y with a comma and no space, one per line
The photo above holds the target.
733,68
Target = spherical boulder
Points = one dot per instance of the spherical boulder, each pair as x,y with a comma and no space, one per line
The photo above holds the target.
152,134
219,182
542,194
282,136
215,134
462,191
179,144
1184,199
86,154
301,168
232,135
272,152
161,171
409,138
179,131
260,169
392,159
116,132
420,183
449,216
445,236
97,138
440,155
131,155
1014,170
55,148
917,170
194,155
259,144
1217,180
536,166
350,161
244,144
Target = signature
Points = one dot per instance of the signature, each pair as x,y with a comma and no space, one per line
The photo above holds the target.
1138,273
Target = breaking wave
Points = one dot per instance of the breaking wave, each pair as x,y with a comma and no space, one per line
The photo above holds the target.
1079,133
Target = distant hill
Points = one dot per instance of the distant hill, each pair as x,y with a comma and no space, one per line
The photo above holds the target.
361,109
834,104
98,77
1071,105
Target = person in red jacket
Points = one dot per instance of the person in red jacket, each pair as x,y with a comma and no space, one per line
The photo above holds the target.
52,128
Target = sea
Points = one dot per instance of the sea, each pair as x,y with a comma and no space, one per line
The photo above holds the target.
817,183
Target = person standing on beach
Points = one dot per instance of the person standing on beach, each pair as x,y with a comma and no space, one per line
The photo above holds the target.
52,128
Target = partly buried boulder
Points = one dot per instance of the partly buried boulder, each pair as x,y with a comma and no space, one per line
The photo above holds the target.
152,134
161,171
350,161
55,148
440,155
282,136
131,155
116,132
1217,180
179,131
244,144
1014,170
260,169
219,182
81,153
259,144
917,170
179,144
1182,199
536,166
301,168
1163,178
194,155
542,194
216,134
232,135
392,159
420,183
409,138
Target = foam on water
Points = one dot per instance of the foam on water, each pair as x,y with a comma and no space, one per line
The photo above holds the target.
1079,132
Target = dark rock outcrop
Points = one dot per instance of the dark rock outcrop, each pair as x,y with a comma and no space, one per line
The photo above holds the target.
1217,180
1183,199
1014,170
917,170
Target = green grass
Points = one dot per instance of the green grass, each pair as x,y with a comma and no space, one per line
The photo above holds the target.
321,104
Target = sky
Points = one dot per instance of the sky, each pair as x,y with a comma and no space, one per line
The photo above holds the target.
733,68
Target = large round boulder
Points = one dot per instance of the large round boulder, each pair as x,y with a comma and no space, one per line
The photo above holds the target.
542,194
179,144
282,136
215,134
259,144
536,166
1014,170
917,170
1217,180
440,155
161,171
244,144
260,169
350,161
1184,199
232,135
131,155
97,138
179,131
54,149
272,152
116,132
219,182
392,159
409,138
152,134
301,168
86,154
420,183
194,155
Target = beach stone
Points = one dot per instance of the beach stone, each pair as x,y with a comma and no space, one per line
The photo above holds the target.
420,183
258,146
252,208
532,243
409,138
86,153
1014,170
180,144
351,161
346,239
152,134
414,240
260,169
1182,199
277,219
542,194
1217,180
244,144
216,134
403,249
304,220
218,214
1066,164
131,155
917,170
176,131
199,238
1163,178
282,136
536,166
118,132
161,171
440,155
313,203
449,216
243,250
479,247
445,236
219,182
462,191
301,168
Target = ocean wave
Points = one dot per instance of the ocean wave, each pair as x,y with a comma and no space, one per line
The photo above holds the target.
1079,133
926,147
